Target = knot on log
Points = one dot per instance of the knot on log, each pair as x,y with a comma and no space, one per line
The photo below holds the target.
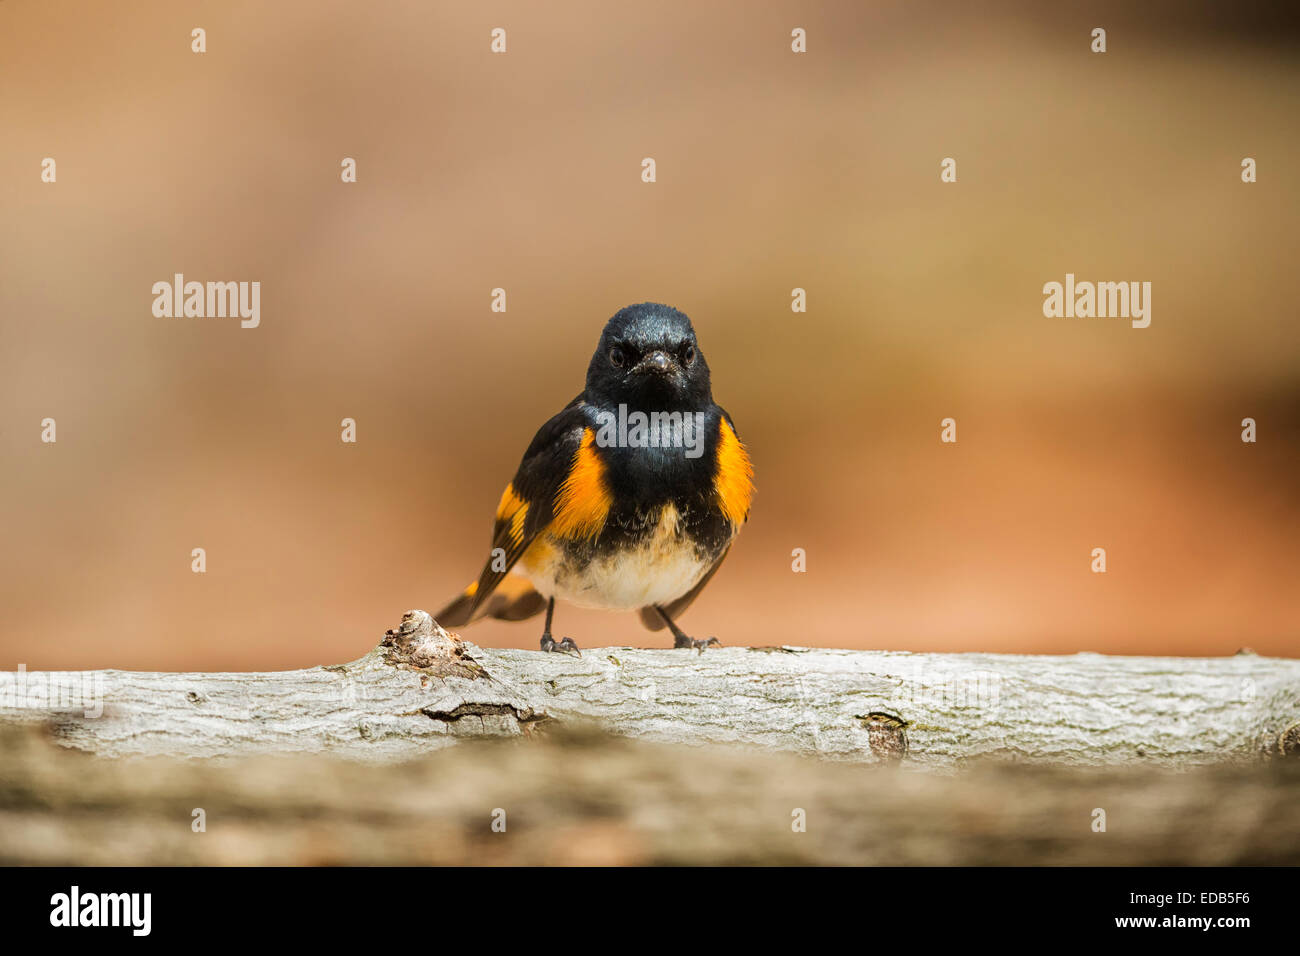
1288,741
421,643
886,735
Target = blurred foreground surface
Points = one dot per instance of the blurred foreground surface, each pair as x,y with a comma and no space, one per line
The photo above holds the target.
580,797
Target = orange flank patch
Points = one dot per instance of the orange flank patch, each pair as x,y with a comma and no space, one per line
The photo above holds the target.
540,554
583,501
734,480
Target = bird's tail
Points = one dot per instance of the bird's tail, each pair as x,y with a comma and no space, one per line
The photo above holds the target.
513,599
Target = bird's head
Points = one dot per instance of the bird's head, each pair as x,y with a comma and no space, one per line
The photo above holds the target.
648,358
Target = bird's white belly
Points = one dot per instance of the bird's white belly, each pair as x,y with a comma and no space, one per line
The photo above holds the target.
631,580
660,568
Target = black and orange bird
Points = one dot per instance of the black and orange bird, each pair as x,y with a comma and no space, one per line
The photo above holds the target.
629,498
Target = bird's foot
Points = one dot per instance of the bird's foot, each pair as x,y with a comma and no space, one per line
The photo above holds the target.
681,640
565,646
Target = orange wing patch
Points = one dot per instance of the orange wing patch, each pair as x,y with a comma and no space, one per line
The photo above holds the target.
583,501
734,481
513,511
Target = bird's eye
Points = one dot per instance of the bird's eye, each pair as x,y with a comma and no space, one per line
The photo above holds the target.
688,354
616,357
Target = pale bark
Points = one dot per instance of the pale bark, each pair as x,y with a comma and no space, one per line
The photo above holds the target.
422,689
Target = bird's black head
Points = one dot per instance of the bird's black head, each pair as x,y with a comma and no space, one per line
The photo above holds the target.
649,359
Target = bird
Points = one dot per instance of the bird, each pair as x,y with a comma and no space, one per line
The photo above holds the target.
629,498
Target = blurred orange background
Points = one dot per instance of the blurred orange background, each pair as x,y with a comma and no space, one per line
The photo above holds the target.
522,171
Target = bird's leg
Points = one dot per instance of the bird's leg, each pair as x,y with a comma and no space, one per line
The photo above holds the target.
680,638
565,646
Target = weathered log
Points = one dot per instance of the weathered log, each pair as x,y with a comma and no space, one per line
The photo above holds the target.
423,688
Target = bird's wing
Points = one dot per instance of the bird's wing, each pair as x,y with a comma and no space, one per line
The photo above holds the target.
528,505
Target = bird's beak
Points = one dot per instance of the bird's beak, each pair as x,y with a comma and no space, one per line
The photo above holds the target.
657,362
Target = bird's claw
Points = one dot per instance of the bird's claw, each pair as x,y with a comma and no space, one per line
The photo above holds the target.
565,646
692,644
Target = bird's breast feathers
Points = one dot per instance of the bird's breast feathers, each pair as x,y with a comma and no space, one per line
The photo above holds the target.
609,550
655,564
